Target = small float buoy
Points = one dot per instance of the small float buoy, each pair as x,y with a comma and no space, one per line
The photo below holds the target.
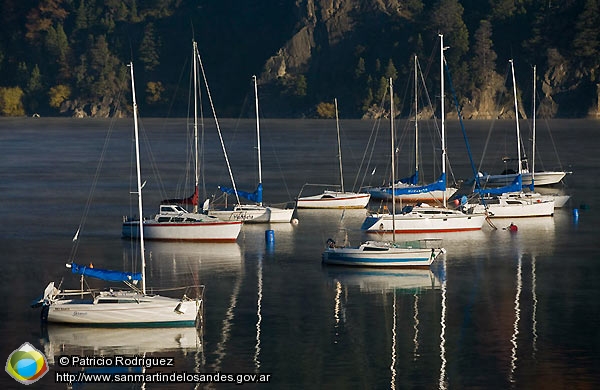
513,227
295,221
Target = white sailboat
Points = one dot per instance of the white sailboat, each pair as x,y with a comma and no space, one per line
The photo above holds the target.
408,191
541,178
559,199
174,222
254,212
382,253
424,218
511,201
334,199
111,307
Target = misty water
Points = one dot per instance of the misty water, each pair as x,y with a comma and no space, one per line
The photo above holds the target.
498,310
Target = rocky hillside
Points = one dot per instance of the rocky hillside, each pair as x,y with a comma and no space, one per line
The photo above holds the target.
63,57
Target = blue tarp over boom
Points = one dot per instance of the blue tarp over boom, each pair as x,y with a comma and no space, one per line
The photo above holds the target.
104,274
414,179
255,196
515,186
439,185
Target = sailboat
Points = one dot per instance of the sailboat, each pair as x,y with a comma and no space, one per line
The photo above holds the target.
255,212
424,218
334,199
174,222
382,253
510,201
407,190
559,199
541,178
112,307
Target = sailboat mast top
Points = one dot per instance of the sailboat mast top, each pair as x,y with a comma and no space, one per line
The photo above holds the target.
337,124
139,178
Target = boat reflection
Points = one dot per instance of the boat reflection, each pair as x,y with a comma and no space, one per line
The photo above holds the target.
91,341
370,280
170,262
401,292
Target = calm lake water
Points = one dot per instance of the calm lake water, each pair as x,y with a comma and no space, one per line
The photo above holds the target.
498,310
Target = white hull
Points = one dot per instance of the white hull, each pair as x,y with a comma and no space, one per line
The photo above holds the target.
516,206
432,197
221,231
254,214
541,178
127,309
380,254
423,219
334,200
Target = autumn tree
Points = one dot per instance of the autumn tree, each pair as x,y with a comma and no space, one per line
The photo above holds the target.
11,103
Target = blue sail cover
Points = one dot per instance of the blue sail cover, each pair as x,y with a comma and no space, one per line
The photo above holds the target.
515,186
414,179
439,185
104,274
255,196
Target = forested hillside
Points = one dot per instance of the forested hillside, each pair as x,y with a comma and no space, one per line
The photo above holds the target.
68,57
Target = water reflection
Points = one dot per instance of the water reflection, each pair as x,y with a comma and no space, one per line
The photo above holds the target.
397,286
370,280
71,340
176,258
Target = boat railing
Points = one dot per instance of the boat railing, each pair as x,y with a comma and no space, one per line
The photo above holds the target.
336,186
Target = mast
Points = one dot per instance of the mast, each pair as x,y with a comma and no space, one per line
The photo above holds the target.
512,67
416,122
195,48
257,133
442,99
337,124
139,179
533,136
393,160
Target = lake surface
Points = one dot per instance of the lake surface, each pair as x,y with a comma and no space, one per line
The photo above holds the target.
498,310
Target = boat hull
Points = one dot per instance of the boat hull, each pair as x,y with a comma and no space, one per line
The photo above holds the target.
432,197
518,210
254,214
417,222
334,200
222,231
148,311
541,178
388,257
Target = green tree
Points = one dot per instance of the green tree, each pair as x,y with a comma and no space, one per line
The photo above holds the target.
149,48
586,43
390,71
300,86
483,60
360,68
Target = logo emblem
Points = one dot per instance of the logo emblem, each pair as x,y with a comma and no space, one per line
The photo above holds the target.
26,364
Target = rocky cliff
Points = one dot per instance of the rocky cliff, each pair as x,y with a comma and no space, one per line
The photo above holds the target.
336,33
